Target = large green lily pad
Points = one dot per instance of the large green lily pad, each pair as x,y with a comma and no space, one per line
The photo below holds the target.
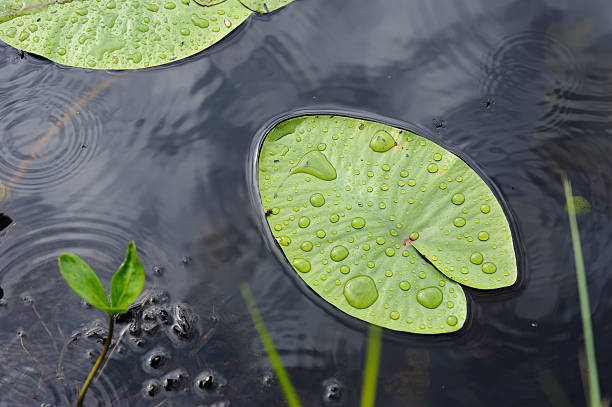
118,34
382,223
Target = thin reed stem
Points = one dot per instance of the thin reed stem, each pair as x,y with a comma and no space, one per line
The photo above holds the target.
370,374
583,296
275,360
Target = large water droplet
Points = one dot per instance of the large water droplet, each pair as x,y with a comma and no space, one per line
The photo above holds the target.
451,320
489,268
317,199
358,222
432,168
394,315
459,222
107,43
316,164
360,292
338,253
284,240
483,236
476,258
430,297
301,265
404,285
382,141
304,222
485,208
306,246
458,199
199,22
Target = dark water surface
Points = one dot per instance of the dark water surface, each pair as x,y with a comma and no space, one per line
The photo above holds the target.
160,156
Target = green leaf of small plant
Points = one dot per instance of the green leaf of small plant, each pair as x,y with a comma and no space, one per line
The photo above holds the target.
383,223
128,281
120,34
82,279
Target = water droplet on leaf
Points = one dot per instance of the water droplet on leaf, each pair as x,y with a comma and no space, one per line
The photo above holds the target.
360,292
317,200
338,253
382,141
458,199
316,164
358,222
301,265
476,258
430,297
489,268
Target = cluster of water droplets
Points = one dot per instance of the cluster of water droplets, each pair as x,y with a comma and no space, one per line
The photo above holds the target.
119,33
328,231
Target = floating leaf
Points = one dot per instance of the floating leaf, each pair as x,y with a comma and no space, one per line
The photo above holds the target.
84,281
265,6
128,280
117,34
385,236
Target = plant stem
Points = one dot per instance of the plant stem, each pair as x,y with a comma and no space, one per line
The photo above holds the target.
275,360
583,296
109,338
370,375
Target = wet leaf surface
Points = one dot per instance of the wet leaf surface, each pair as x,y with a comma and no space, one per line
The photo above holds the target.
119,34
383,223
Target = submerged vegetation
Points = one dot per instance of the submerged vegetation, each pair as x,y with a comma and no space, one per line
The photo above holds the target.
372,358
126,285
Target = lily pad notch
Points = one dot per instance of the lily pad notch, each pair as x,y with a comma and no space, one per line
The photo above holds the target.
122,34
382,223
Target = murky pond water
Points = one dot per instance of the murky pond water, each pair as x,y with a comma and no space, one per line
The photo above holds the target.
91,159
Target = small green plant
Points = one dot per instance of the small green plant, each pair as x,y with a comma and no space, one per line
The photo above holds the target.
126,285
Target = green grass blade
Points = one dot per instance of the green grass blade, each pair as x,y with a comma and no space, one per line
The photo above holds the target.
583,295
370,375
277,364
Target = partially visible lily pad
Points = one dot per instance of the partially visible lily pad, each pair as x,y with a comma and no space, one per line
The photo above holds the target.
118,34
383,223
265,6
208,2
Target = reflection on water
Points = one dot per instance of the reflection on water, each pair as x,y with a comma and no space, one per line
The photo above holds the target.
161,156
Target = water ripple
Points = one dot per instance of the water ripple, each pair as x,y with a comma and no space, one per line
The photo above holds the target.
49,134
